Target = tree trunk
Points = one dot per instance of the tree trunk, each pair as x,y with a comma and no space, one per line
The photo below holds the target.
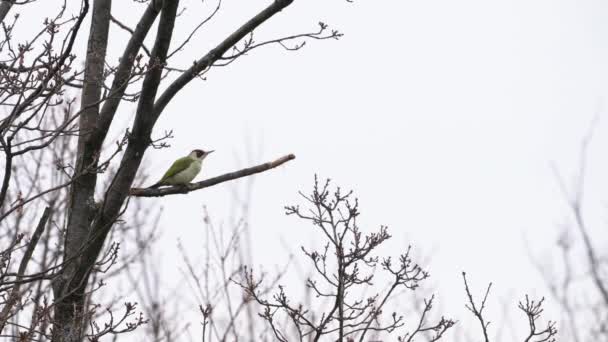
89,223
69,289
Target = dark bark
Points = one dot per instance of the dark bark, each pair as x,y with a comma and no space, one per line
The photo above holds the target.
123,72
139,139
88,226
8,165
69,291
5,6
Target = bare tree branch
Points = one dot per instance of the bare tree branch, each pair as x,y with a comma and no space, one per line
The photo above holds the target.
172,190
123,72
213,55
533,310
14,295
475,310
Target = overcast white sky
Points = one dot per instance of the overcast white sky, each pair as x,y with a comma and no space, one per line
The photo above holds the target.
443,116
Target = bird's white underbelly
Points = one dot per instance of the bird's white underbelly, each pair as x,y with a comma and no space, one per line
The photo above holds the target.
187,175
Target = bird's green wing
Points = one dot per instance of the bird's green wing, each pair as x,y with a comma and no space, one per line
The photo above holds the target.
178,166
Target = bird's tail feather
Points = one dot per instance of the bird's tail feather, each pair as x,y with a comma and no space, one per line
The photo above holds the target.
154,186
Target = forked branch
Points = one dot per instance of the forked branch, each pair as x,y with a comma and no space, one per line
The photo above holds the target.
476,309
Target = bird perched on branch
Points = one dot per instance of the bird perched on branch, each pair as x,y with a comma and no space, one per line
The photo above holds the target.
184,169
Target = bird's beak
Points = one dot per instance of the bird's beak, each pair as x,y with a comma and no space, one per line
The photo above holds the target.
209,152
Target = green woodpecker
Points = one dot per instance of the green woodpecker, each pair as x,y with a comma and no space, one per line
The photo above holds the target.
184,169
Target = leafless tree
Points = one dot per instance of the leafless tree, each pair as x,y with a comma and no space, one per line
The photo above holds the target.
26,309
343,267
52,105
350,303
576,276
531,309
68,185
